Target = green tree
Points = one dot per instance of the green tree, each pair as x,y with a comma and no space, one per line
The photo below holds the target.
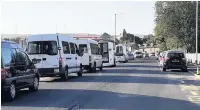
175,24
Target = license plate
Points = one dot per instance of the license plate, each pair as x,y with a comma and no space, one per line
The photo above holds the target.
175,60
105,59
56,70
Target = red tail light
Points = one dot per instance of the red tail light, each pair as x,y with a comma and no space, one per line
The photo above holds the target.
60,61
3,73
166,58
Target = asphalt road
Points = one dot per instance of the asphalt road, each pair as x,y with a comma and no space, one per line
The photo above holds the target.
137,85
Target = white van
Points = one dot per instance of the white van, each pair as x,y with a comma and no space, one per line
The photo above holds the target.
121,53
56,54
107,51
91,58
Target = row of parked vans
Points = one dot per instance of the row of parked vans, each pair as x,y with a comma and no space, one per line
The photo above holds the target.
50,55
57,54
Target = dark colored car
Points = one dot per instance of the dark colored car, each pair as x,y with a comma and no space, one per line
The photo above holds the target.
17,70
152,54
130,56
146,55
174,60
138,55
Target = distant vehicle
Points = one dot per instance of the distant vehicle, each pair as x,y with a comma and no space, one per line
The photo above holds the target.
17,70
138,54
130,56
152,54
58,55
107,51
92,57
121,54
174,60
145,55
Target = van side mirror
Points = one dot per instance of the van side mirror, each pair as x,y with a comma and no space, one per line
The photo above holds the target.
79,53
35,61
59,48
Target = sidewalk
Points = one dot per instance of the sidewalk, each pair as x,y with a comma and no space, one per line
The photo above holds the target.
192,69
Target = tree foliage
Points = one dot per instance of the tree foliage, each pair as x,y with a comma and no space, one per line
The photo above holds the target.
148,39
127,38
175,24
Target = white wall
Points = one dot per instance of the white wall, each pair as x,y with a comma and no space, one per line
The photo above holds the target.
191,57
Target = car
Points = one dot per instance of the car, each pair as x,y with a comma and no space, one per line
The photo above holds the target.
17,70
138,54
145,55
174,60
92,57
57,54
130,56
152,54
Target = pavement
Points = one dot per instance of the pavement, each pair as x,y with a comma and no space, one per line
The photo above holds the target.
136,85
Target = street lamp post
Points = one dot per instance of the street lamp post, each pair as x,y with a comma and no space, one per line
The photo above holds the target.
197,37
115,29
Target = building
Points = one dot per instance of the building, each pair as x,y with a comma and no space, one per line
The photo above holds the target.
149,49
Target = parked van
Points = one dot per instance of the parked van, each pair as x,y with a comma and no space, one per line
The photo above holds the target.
107,51
91,58
56,54
121,53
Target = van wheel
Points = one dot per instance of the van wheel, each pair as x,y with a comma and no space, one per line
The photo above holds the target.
114,64
80,71
35,85
101,68
65,75
94,68
11,94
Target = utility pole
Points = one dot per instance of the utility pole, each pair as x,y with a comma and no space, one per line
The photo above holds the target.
197,37
115,29
134,43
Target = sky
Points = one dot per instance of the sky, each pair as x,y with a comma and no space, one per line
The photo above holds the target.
77,17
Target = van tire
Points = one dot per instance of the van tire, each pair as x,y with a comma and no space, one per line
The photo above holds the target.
94,68
101,68
114,64
65,76
80,72
35,85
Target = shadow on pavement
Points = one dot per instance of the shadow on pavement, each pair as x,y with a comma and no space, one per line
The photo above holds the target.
142,66
145,71
96,99
126,79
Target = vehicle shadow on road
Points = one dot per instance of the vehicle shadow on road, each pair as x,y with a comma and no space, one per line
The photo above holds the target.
152,70
133,79
142,66
96,99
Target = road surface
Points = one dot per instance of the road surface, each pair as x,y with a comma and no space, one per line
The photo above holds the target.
137,85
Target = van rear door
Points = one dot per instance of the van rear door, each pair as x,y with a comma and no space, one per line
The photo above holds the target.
35,49
51,55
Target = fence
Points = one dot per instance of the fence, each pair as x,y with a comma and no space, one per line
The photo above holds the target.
191,57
